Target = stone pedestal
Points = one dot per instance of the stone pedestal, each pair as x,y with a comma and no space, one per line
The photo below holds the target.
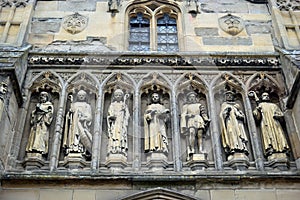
116,161
198,161
157,161
238,161
33,161
74,161
278,161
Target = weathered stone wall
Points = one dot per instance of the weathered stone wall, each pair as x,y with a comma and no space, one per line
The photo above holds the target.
199,33
261,50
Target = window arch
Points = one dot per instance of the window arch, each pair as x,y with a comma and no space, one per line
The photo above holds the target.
153,27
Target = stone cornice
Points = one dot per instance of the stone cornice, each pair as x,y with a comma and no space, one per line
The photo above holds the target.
184,59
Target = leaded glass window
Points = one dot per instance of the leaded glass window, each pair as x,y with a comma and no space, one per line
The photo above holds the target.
139,38
167,34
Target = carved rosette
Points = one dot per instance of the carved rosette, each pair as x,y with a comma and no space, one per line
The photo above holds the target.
75,23
286,5
231,24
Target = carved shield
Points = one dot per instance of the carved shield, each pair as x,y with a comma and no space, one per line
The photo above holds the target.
232,25
75,23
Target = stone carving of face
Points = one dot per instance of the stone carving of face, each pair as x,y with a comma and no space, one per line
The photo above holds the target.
265,97
118,95
229,96
231,24
81,95
43,97
155,98
191,98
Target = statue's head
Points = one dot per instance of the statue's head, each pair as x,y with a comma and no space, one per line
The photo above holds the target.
118,95
265,96
155,98
81,95
44,97
191,97
229,95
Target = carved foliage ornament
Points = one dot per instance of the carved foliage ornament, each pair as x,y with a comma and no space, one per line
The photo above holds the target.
75,23
232,25
288,4
10,3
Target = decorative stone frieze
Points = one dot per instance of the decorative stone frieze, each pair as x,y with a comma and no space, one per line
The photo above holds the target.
10,3
75,23
286,5
146,60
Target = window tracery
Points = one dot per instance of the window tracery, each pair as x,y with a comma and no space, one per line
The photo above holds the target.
153,27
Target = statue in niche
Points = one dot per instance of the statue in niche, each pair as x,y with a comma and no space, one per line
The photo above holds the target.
269,116
232,118
77,136
194,121
117,122
41,118
155,118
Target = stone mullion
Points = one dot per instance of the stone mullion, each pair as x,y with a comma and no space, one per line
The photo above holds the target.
153,43
295,22
136,149
216,145
17,137
97,132
58,131
258,155
175,135
8,24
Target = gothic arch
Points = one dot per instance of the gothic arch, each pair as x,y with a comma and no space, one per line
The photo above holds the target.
159,193
152,11
261,82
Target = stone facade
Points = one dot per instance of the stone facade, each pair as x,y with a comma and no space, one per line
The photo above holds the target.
85,115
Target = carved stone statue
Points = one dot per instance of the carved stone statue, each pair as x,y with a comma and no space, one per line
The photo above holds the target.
155,118
117,122
232,118
269,116
77,136
41,118
193,122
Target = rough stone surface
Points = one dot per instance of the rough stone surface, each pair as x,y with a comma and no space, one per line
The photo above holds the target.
226,41
206,31
45,26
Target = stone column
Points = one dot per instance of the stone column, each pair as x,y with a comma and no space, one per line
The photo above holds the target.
257,149
293,136
97,132
17,137
216,145
176,134
54,157
136,149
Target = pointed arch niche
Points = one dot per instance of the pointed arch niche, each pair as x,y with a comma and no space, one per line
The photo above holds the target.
194,83
44,82
155,83
122,157
241,156
258,84
67,158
